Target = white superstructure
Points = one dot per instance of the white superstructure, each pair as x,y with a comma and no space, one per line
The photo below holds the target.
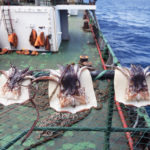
45,19
26,18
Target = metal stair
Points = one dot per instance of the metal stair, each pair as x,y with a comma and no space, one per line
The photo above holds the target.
7,21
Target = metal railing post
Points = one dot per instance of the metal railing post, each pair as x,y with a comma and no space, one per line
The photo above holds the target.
109,117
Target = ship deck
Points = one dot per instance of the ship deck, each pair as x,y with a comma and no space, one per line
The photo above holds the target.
14,122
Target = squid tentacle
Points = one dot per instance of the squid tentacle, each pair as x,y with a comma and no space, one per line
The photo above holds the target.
14,70
26,73
45,78
25,70
127,71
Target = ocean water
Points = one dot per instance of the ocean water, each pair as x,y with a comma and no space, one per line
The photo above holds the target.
126,26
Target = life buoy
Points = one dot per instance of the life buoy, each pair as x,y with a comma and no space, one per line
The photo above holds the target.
19,52
37,42
26,52
42,39
47,44
33,37
4,51
34,53
12,38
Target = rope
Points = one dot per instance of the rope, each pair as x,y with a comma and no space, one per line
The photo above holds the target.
98,129
35,122
39,74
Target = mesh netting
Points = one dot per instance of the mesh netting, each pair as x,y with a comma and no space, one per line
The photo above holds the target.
16,119
135,119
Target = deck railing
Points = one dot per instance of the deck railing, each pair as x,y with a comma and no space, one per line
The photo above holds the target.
81,2
132,118
47,2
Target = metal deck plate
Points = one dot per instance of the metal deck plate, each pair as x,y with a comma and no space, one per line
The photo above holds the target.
16,121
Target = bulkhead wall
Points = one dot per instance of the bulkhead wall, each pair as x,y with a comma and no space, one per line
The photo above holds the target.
24,19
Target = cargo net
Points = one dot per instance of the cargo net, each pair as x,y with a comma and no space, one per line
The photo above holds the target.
16,119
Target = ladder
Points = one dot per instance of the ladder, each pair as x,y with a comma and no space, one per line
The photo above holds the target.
7,21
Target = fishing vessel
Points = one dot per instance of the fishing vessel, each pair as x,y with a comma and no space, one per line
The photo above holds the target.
67,32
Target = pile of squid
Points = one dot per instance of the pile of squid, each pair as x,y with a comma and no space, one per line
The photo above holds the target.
71,93
67,78
15,77
137,78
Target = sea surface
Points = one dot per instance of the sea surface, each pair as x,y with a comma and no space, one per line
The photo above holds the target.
126,26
